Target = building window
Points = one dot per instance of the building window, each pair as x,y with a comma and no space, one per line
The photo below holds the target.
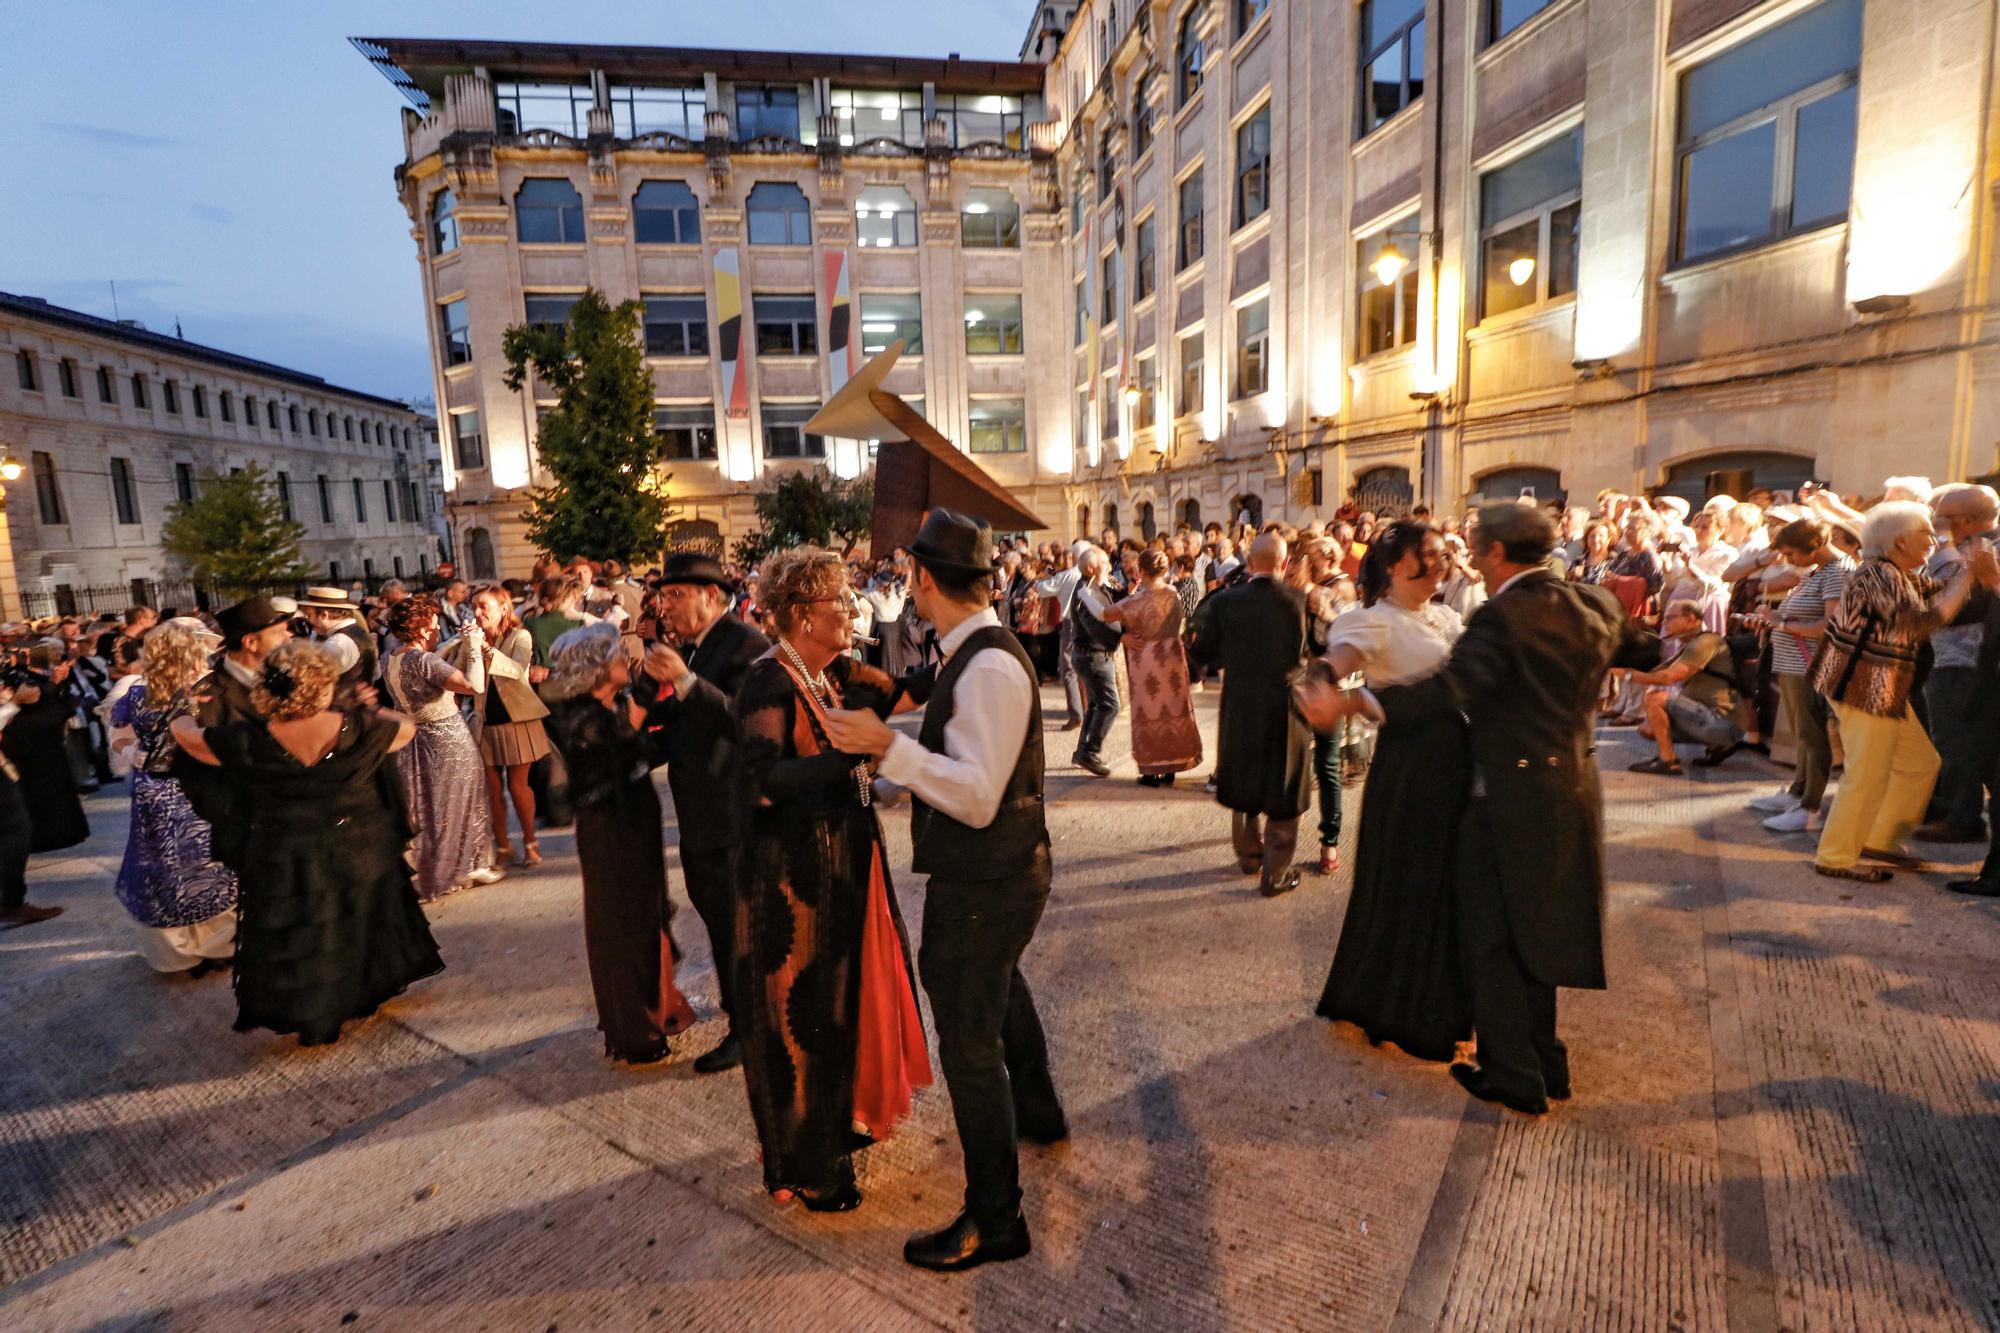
1503,16
784,431
1189,55
333,568
1107,289
779,214
457,339
1529,211
1107,421
184,482
250,411
364,430
686,433
271,415
1146,378
312,422
1190,212
468,446
395,562
1392,58
562,107
24,371
1253,167
1766,141
107,387
999,426
887,316
1143,266
200,397
1142,116
975,118
549,310
67,380
1193,393
228,406
786,325
389,503
862,116
360,501
346,428
1253,348
1078,200
444,223
292,416
1386,269
1082,308
1107,168
48,495
677,111
762,111
885,217
677,325
139,398
548,211
170,396
325,502
285,495
993,324
1080,426
989,219
124,494
665,213
1248,12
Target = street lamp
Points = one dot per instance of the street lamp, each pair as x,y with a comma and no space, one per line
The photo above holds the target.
1389,264
1131,395
10,468
10,592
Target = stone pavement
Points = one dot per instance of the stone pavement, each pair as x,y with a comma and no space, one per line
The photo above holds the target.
1785,1119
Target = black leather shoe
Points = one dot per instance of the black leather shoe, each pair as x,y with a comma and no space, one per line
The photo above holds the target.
1284,883
1473,1079
1092,765
1978,888
964,1245
844,1197
1042,1136
727,1055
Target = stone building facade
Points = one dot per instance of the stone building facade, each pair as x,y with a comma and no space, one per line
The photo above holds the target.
113,424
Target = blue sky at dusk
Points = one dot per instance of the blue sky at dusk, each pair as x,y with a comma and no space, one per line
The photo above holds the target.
230,165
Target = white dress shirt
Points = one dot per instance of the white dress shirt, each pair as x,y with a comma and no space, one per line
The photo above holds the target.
988,726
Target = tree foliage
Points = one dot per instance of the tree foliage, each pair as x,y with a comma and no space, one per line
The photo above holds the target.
812,508
606,500
234,533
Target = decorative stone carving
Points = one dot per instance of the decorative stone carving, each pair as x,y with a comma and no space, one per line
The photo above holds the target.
659,141
774,143
715,147
882,147
546,139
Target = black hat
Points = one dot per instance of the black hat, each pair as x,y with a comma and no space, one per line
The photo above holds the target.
952,542
694,567
252,614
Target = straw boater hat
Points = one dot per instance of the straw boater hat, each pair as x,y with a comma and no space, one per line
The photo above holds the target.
328,599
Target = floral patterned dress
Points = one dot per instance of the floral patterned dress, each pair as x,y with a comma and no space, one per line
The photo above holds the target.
1165,738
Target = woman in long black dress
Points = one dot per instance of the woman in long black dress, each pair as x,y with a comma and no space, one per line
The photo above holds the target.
36,743
825,1004
600,730
1395,973
329,925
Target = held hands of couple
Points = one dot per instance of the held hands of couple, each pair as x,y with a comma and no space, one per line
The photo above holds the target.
1323,704
859,731
666,665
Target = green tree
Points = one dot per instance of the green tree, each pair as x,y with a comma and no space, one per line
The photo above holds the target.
812,508
607,500
234,533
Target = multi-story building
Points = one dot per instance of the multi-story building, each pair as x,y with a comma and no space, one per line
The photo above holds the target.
114,424
779,216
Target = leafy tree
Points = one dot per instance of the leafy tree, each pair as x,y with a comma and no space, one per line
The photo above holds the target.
598,443
812,508
234,533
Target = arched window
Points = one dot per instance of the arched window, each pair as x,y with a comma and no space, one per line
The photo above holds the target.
1384,492
1191,514
1083,522
1148,529
1736,474
548,211
779,214
1111,518
885,216
479,553
1247,509
1540,484
665,213
444,223
1142,116
1188,56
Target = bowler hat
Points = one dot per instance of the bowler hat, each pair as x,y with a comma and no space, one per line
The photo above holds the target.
954,542
694,567
252,614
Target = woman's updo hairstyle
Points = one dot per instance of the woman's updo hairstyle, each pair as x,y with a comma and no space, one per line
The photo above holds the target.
296,680
414,618
1391,544
1153,563
790,581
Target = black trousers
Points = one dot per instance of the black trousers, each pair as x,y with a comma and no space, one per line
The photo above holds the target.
16,833
991,1048
1513,1013
1098,675
711,885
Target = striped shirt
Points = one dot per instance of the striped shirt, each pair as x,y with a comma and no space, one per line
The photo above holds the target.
1792,654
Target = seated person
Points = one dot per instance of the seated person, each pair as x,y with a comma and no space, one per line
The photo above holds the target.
1702,711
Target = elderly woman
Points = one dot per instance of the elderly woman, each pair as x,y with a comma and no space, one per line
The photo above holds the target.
442,771
1796,626
1866,672
511,735
824,1001
1635,567
183,899
1165,739
1593,565
330,926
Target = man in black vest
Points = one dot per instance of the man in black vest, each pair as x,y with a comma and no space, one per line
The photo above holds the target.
977,829
332,614
704,672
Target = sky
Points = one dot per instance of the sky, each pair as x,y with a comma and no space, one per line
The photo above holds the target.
230,165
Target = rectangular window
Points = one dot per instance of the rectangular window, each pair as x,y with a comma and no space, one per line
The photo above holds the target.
562,107
332,568
107,386
999,426
468,446
1529,211
457,337
285,495
993,324
228,405
139,398
1248,12
1392,58
975,118
1385,267
170,396
24,371
1765,147
271,415
364,431
67,379
1082,308
1192,392
1142,259
1107,289
48,495
312,422
786,325
1503,16
124,493
686,433
1253,167
1107,407
762,111
784,431
864,116
292,416
1080,427
389,501
663,110
184,482
346,428
549,310
200,397
1190,212
360,501
250,412
886,218
989,220
677,325
1253,348
1146,380
325,500
887,316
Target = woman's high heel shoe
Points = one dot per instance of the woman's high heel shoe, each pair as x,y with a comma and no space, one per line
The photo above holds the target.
531,853
503,851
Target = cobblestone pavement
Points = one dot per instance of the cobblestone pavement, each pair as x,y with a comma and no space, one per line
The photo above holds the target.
1785,1119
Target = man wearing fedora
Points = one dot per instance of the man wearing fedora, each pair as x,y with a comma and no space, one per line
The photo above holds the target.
715,650
250,630
977,828
333,614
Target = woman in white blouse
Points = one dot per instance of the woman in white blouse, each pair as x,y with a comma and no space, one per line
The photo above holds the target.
1395,974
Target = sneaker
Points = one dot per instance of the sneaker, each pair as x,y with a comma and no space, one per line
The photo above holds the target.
1777,803
1798,819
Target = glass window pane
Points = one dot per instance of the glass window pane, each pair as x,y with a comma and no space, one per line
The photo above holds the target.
1818,44
1507,268
1380,18
1565,236
1508,15
1385,86
1550,172
1726,192
886,317
1823,162
1415,53
999,426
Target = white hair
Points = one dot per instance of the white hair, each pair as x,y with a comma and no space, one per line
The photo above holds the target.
1906,488
1885,524
580,659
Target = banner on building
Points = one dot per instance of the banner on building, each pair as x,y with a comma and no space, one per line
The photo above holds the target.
729,331
841,345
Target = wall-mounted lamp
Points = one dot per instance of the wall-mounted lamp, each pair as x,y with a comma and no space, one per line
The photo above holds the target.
1424,396
10,468
1323,422
1131,394
1887,303
1592,367
1389,264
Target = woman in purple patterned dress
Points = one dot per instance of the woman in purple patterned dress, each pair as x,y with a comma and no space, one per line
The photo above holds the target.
444,778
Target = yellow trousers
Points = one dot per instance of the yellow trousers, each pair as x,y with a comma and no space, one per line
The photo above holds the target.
1891,768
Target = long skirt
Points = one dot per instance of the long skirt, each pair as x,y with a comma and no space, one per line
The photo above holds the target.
625,924
445,781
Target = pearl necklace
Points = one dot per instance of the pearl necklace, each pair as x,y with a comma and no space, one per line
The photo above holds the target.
821,687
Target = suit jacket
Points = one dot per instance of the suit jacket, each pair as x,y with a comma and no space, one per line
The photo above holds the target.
1986,693
1256,633
700,734
218,795
1526,673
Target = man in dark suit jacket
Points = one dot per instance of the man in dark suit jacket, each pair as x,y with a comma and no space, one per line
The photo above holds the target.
703,673
1256,634
1985,742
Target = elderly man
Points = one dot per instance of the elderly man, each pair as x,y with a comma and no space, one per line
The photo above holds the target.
331,613
1062,585
1965,519
1703,710
1093,644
